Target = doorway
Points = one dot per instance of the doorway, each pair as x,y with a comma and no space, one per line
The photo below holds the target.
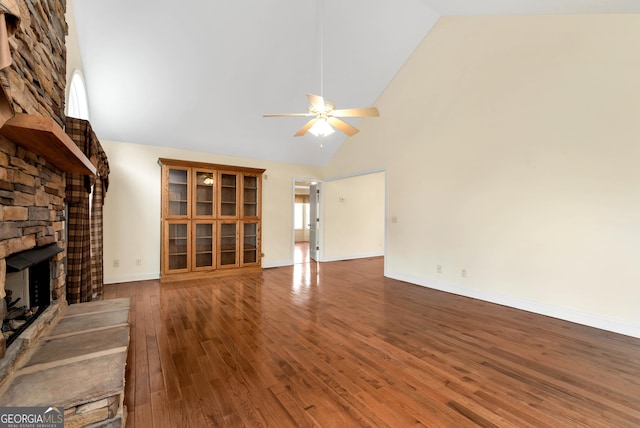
304,222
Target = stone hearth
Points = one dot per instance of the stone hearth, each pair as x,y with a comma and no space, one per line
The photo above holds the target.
78,364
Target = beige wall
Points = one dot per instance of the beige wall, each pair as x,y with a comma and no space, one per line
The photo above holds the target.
353,217
511,147
132,207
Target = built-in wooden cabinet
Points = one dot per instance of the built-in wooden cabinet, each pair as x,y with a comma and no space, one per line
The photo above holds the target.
203,247
176,249
229,189
176,184
251,196
229,238
250,243
210,218
204,193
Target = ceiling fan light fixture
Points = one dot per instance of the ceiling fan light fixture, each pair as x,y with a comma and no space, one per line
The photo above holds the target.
321,128
326,116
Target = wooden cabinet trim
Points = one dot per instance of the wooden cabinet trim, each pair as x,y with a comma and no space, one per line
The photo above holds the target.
192,164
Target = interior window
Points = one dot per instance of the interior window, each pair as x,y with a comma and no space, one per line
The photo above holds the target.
77,105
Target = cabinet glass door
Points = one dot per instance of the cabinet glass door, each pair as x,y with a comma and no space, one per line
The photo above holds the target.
228,195
228,244
178,192
250,196
203,198
203,242
250,245
177,235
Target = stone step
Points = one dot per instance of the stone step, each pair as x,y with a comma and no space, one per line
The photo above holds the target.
79,365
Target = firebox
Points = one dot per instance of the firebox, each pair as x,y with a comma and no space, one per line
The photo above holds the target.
28,288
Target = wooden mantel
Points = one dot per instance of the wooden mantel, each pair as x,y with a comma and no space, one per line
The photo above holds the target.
43,135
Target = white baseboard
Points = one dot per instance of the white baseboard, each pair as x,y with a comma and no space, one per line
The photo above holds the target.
352,257
276,264
566,314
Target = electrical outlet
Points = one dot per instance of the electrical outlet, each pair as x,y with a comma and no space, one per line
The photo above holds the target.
464,273
116,263
138,262
439,268
394,219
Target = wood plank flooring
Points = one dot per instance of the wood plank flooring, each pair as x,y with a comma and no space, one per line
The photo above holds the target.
338,345
301,252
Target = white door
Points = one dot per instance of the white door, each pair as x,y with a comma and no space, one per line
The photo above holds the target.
314,219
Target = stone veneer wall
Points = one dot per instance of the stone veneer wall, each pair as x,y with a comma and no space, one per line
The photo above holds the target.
31,209
32,190
38,72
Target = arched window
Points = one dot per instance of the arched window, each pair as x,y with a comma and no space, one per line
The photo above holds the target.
77,105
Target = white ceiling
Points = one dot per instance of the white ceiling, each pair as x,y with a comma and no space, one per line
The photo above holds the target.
199,74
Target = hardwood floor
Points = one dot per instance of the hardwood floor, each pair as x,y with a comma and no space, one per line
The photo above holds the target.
301,252
337,344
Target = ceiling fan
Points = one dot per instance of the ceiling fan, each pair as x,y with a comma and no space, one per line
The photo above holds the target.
324,113
325,116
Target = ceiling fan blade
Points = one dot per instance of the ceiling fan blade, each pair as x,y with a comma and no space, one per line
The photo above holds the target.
288,114
316,101
356,112
305,128
342,126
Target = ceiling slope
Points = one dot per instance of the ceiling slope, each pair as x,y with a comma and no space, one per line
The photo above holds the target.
198,75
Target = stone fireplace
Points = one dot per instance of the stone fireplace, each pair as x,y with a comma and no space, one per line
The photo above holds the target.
27,288
32,231
82,347
32,187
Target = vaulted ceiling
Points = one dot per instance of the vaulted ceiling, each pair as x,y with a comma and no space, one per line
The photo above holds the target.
199,74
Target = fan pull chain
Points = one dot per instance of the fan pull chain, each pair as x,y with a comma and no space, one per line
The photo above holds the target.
322,48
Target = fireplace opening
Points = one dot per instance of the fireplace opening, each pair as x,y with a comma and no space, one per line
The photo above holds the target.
28,289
